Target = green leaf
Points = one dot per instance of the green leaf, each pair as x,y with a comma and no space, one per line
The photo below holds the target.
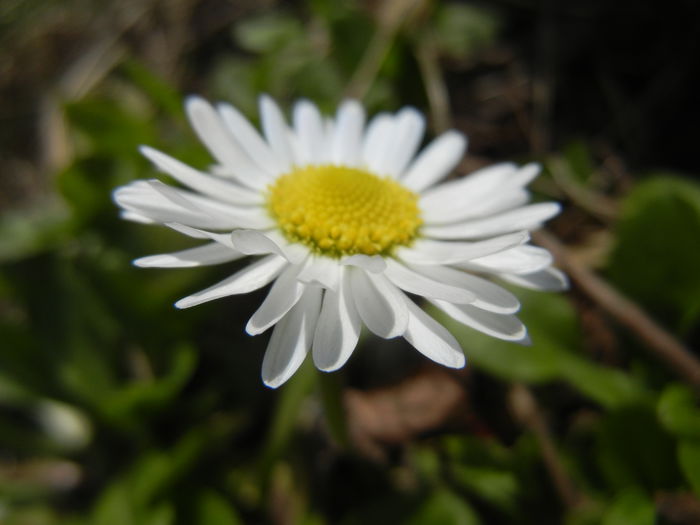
160,92
678,411
30,231
114,507
610,387
462,29
109,128
553,330
553,355
498,487
443,507
689,459
243,91
156,471
118,505
630,507
149,396
268,33
658,236
213,509
579,161
624,441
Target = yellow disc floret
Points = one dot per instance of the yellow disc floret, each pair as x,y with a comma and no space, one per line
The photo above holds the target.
339,211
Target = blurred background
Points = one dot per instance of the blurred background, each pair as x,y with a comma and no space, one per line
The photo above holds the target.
117,409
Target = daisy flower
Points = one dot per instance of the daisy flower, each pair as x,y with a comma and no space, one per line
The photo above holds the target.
347,220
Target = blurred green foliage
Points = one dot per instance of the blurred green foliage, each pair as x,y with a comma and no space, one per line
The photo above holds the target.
116,409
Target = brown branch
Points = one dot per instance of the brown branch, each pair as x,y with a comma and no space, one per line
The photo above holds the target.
526,409
663,344
390,18
435,88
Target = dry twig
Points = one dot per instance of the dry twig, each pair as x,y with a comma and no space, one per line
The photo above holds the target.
525,408
663,344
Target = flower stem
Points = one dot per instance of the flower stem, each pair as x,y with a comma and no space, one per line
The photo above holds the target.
331,386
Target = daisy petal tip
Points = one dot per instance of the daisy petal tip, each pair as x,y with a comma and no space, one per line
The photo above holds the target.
253,329
525,341
182,304
223,107
458,363
533,169
193,102
145,150
460,138
275,381
328,368
272,383
563,283
142,262
266,100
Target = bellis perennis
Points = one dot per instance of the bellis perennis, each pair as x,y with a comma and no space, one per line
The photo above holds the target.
345,219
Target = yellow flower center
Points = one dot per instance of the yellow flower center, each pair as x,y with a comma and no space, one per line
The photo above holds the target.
339,211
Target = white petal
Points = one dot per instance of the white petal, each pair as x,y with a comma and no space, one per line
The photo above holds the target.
210,185
406,132
212,132
506,327
525,218
381,305
347,135
207,254
519,260
250,140
409,127
432,339
295,147
444,252
338,328
436,161
136,217
526,174
448,201
325,151
508,195
276,132
488,296
226,215
164,203
252,242
197,233
414,282
256,217
496,202
549,279
246,280
152,192
371,263
377,140
308,125
160,203
283,295
321,270
291,339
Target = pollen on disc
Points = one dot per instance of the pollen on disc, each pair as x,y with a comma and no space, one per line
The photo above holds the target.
339,211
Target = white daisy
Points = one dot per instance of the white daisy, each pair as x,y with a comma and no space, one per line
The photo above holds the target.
345,219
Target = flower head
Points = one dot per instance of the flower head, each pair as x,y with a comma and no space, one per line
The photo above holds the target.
345,219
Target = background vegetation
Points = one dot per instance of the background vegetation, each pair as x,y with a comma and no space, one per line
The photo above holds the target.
116,409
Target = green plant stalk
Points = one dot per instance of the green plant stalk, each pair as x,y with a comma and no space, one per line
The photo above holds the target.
331,386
